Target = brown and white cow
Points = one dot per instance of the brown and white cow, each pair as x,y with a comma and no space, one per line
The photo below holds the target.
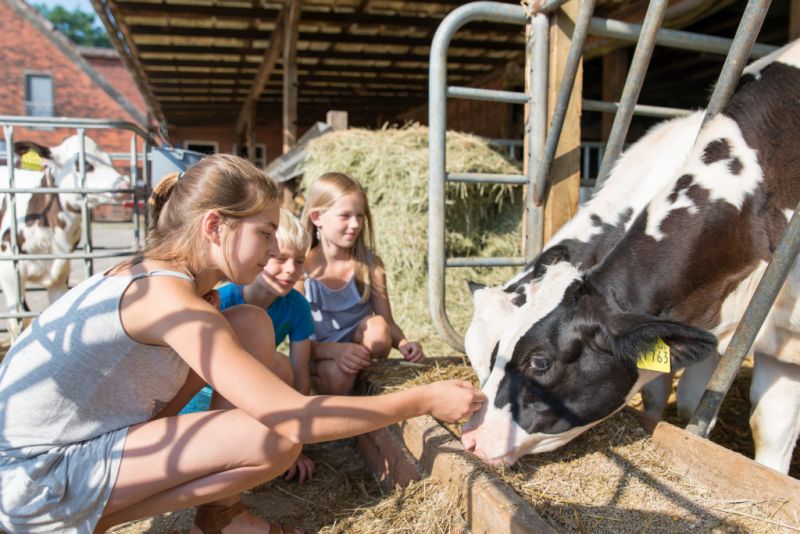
49,223
683,272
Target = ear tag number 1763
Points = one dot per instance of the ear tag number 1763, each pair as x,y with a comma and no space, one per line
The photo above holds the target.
655,359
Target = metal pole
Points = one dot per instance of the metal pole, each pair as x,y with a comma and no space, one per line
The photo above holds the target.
562,102
536,130
743,42
633,86
437,126
760,304
134,182
88,263
8,132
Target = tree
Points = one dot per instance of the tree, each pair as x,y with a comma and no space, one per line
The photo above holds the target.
79,26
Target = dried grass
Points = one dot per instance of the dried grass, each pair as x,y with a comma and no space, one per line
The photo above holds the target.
482,220
610,479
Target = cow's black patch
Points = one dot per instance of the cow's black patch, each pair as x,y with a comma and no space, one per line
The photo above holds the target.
683,183
716,150
735,166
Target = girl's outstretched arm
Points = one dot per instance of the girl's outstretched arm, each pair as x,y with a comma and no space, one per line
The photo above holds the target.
411,350
169,313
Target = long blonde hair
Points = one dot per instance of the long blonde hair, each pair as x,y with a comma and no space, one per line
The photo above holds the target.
325,191
231,185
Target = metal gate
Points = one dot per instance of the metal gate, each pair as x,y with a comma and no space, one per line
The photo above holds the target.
139,190
541,143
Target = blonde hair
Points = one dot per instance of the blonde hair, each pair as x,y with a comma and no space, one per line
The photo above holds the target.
291,233
231,185
325,191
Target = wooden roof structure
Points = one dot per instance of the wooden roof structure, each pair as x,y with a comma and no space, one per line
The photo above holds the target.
205,61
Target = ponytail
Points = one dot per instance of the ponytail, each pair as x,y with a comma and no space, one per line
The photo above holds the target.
158,199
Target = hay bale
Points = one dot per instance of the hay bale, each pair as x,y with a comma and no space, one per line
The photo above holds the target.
482,220
609,479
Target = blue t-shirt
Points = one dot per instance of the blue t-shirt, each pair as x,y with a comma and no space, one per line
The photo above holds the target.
291,315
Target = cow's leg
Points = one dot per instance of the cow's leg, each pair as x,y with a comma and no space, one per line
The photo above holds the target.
692,385
655,395
59,276
775,412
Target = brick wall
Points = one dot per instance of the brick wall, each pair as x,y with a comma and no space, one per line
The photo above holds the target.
24,49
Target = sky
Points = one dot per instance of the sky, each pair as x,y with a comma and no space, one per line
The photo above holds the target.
83,5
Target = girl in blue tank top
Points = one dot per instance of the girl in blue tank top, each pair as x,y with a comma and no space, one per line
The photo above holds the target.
346,287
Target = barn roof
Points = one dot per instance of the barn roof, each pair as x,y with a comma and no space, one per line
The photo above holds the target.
196,60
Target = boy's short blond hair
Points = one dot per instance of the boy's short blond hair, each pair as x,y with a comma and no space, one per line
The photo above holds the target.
291,233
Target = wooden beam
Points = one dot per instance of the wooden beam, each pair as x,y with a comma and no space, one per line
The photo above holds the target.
290,80
562,201
262,76
337,120
794,19
615,71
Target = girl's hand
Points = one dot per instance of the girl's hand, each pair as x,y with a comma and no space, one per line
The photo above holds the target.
411,351
454,400
212,297
303,467
352,357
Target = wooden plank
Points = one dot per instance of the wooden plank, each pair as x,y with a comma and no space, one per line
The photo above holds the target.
794,19
388,459
337,120
291,24
562,200
729,475
262,76
615,71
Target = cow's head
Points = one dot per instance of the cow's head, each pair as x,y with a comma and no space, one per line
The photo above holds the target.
494,307
567,360
64,161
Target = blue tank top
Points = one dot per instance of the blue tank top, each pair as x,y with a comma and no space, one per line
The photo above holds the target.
337,313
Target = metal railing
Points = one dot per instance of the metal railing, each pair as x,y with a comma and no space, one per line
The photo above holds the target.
139,189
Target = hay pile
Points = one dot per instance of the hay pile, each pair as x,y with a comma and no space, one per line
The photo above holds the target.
482,220
610,479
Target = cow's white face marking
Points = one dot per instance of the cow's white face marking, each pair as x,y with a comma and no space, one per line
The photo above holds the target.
716,178
492,312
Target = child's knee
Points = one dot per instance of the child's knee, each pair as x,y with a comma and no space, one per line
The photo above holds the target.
377,336
282,367
329,379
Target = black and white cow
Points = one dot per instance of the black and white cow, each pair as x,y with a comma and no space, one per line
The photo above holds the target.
639,173
683,272
50,223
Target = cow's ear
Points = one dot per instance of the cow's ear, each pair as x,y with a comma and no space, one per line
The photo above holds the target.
474,286
549,257
633,334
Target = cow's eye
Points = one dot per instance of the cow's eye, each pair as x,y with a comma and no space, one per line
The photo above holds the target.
540,364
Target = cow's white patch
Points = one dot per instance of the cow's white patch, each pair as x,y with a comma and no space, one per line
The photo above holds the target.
492,312
716,177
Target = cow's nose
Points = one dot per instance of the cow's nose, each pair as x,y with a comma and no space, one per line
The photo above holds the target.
468,440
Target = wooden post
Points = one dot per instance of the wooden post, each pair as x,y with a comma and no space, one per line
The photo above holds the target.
794,19
337,120
292,13
565,174
615,70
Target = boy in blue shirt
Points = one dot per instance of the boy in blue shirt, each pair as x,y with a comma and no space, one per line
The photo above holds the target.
290,313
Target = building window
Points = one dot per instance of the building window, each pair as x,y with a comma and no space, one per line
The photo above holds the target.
261,153
39,95
204,147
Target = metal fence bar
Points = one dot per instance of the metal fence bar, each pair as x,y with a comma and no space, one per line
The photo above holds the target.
743,42
493,95
499,261
437,126
485,178
638,109
760,304
696,42
536,128
95,254
573,61
632,88
8,133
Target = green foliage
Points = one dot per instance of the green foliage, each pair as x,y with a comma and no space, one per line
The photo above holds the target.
79,26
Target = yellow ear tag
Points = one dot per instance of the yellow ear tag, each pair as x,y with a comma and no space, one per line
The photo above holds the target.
31,161
656,359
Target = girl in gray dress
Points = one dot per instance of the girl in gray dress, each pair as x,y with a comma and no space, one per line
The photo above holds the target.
346,286
89,435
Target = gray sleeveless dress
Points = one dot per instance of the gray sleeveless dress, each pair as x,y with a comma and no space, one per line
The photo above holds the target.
337,313
70,387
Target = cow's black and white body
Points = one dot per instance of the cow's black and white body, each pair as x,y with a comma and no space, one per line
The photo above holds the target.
638,174
683,272
50,223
